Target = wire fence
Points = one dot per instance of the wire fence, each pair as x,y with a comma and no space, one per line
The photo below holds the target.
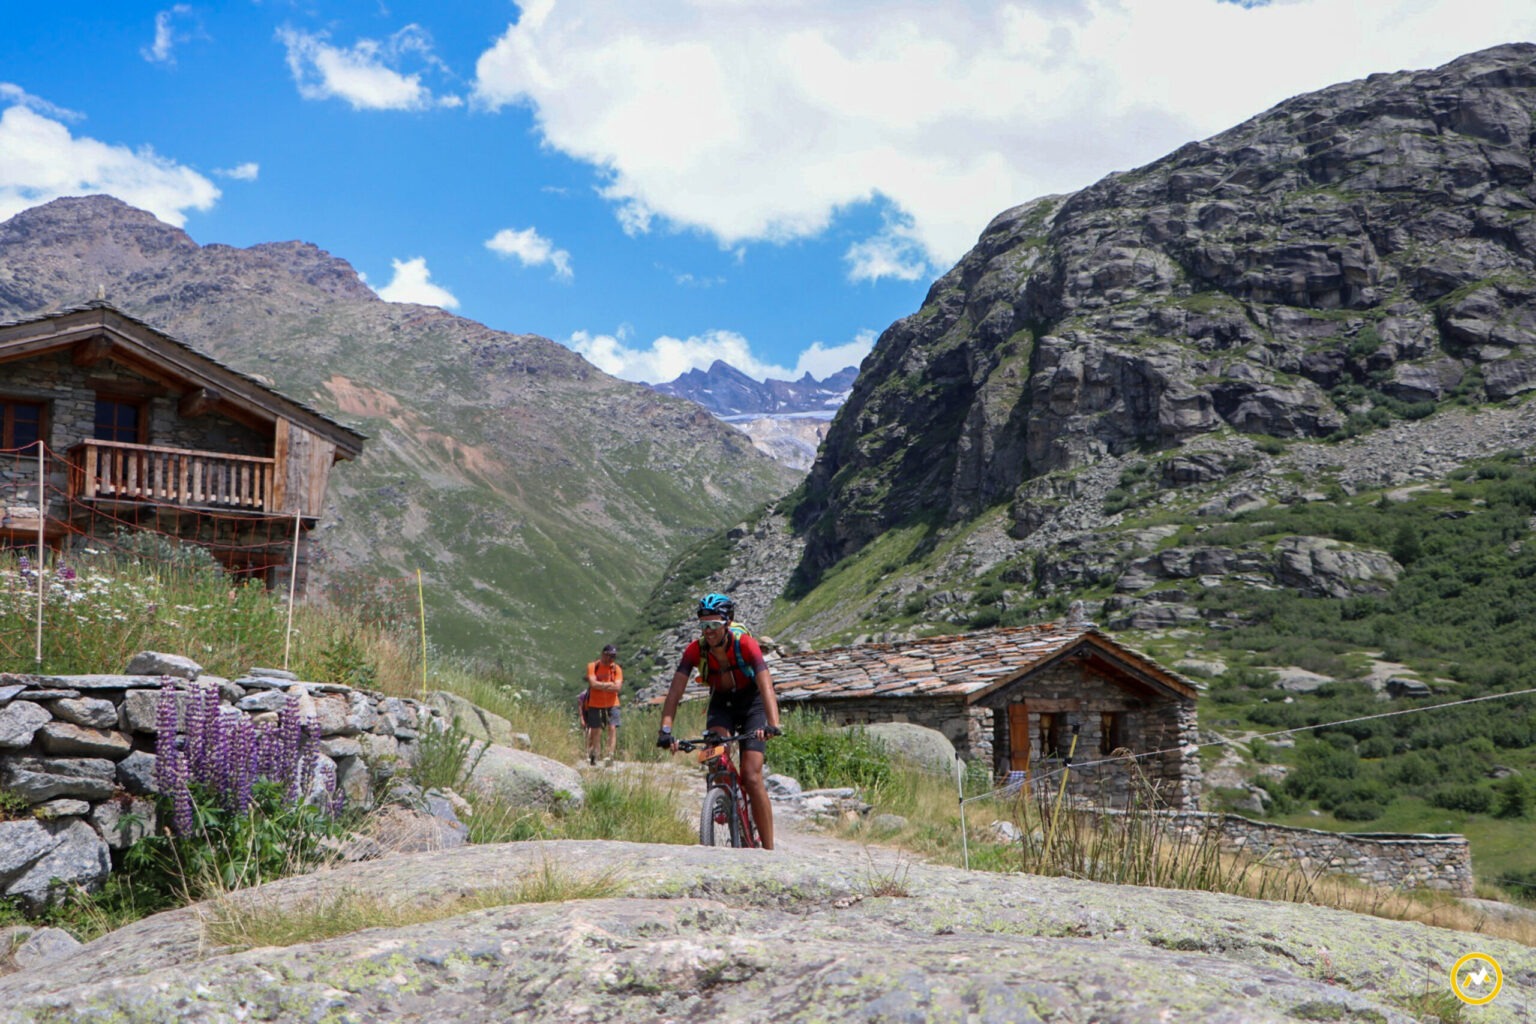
68,522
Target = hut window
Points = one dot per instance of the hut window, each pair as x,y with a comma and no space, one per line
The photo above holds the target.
22,423
1052,727
119,420
1111,731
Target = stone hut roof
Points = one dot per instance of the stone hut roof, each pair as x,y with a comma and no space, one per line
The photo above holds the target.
966,665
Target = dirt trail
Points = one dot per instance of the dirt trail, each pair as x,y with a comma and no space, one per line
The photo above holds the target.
793,833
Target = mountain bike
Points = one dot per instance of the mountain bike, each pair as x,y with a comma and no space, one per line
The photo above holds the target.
726,817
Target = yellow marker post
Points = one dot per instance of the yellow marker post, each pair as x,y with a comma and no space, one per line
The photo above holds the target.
421,608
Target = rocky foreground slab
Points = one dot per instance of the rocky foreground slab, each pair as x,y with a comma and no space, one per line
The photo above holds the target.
816,931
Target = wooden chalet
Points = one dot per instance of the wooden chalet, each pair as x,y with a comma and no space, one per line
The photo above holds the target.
1023,699
108,424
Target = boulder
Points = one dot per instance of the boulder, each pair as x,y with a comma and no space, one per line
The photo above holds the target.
38,779
478,723
37,857
76,740
917,744
523,778
91,712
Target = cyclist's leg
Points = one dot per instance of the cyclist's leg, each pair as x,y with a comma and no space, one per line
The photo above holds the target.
753,717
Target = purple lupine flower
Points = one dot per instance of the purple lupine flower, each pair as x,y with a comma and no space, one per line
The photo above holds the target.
309,751
244,747
224,768
290,735
64,574
24,565
181,796
165,735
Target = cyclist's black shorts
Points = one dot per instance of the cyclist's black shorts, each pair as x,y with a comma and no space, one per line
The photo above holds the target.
738,711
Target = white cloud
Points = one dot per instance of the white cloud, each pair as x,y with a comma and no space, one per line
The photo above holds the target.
247,171
413,283
162,50
895,252
368,74
531,249
667,358
40,161
761,119
15,95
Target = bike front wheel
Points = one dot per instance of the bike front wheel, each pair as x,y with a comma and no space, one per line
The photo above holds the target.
717,820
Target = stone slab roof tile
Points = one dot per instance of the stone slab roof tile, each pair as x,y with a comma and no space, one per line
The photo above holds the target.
959,664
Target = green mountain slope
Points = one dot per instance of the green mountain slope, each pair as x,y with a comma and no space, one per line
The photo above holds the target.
538,496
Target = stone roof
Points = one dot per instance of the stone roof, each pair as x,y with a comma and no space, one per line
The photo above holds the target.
965,665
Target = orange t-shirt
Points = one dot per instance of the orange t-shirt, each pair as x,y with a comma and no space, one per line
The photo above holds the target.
597,672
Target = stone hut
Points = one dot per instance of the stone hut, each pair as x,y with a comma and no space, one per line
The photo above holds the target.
1028,699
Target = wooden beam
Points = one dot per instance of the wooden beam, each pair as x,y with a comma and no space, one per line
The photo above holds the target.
198,401
91,351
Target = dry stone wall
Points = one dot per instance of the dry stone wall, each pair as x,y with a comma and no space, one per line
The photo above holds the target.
77,757
1388,860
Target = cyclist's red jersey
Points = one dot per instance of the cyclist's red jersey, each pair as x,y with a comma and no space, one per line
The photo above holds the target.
724,672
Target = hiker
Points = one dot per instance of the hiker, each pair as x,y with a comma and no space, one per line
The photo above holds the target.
741,698
604,679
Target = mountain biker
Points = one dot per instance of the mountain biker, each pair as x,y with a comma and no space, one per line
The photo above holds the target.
741,698
604,680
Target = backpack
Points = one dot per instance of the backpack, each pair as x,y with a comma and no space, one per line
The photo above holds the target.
747,671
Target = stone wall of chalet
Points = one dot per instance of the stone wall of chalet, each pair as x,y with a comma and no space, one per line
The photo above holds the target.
77,757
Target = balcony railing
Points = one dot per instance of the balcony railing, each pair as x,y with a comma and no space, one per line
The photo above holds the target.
114,471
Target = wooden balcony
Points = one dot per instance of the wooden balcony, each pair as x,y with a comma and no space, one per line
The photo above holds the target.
111,471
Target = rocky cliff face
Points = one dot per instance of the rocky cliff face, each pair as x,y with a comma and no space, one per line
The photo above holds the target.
538,496
1353,257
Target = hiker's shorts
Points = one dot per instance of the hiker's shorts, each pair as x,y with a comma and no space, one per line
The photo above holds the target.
599,717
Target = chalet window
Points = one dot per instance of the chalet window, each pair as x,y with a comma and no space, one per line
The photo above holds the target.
119,419
1053,728
22,423
1111,732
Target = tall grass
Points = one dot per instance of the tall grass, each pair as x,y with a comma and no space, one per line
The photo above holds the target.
639,807
1061,839
100,608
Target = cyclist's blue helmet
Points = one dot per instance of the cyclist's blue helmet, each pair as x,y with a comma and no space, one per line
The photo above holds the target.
717,604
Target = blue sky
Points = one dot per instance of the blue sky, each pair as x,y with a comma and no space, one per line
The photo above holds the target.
657,183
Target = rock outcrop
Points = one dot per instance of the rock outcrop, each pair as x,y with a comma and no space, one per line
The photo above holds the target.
807,934
1350,257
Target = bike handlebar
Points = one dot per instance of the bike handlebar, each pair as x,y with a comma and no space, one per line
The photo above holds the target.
712,740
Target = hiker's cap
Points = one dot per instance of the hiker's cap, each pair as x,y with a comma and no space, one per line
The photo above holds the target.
610,649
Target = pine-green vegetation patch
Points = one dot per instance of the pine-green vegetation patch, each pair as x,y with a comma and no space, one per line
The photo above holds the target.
1462,615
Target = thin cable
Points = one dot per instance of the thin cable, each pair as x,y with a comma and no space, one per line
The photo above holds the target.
1224,742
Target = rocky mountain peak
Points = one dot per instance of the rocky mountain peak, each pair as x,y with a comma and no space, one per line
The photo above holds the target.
1351,257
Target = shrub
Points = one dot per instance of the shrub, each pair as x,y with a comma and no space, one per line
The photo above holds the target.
1358,810
445,757
818,755
1465,797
